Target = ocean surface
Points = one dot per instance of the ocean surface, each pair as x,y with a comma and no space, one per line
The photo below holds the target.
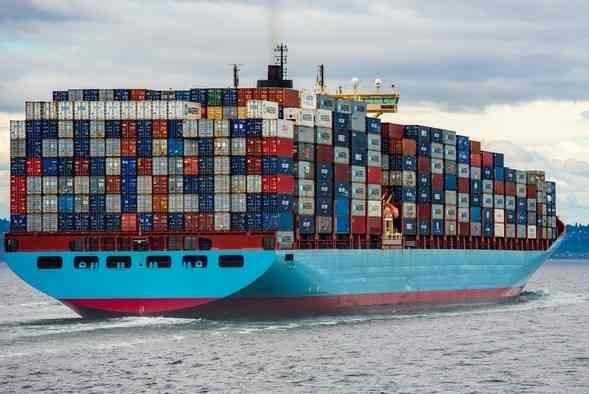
537,345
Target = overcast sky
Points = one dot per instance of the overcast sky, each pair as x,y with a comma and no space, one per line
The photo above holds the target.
514,74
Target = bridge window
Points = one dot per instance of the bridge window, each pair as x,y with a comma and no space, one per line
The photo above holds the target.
49,263
118,262
231,261
86,262
159,262
195,261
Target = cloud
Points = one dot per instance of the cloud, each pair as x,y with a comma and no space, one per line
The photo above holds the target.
585,115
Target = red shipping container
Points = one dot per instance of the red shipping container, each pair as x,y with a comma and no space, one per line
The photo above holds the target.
18,203
190,166
424,165
510,189
160,203
129,129
463,229
244,95
81,167
324,153
203,111
129,222
138,94
191,222
128,147
160,129
396,147
437,181
342,172
499,187
532,191
463,185
393,131
254,147
263,93
144,166
254,166
374,175
424,211
160,184
409,147
160,222
275,146
475,160
374,225
487,159
282,184
113,184
34,167
18,184
475,147
206,222
358,225
291,98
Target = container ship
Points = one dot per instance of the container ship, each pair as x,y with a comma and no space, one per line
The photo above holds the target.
264,201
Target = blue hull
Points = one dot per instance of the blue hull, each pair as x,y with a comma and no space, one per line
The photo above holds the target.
314,281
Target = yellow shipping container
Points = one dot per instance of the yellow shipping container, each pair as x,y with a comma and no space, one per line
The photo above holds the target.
241,112
215,113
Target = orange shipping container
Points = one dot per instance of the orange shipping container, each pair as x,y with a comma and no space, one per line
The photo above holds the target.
129,222
144,166
129,129
160,184
215,113
113,184
190,166
160,129
160,203
128,147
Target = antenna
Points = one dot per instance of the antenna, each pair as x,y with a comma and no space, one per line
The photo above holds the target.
236,70
321,78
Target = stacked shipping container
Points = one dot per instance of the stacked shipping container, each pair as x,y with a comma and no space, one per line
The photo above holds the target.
253,160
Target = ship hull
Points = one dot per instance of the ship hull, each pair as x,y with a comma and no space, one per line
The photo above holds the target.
284,283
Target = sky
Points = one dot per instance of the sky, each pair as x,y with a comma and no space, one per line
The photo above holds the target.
512,74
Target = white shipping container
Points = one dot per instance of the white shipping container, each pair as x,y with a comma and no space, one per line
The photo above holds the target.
144,110
18,148
112,110
306,188
238,184
65,148
475,173
222,184
37,110
222,146
374,192
190,129
463,200
81,203
358,191
159,165
374,158
97,185
113,203
306,206
49,185
285,239
175,166
144,184
183,110
499,216
222,165
305,118
374,142
437,211
437,166
50,223
113,147
206,128
106,94
521,190
190,147
238,146
358,174
324,136
100,110
144,203
65,185
65,110
499,230
304,134
238,202
34,223
29,110
463,171
97,147
75,94
113,166
97,129
222,202
159,110
34,203
221,128
81,110
450,212
254,183
176,203
191,203
222,221
175,184
291,114
341,155
129,110
260,109
81,185
50,203
49,110
34,185
284,129
17,130
93,109
324,118
65,129
308,100
358,207
374,209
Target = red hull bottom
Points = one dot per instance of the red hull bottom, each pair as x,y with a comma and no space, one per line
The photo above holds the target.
276,307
